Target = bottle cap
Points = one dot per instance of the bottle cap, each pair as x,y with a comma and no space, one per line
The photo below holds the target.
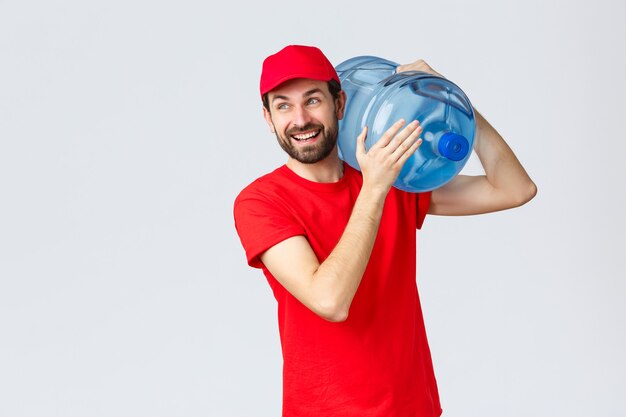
453,146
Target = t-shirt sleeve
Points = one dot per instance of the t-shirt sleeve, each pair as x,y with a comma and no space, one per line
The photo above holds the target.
423,202
261,224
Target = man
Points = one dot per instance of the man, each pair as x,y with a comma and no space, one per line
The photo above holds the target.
338,246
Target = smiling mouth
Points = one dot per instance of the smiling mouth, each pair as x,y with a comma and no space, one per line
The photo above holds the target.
307,136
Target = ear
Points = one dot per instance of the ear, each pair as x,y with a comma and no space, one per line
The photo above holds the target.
340,105
268,119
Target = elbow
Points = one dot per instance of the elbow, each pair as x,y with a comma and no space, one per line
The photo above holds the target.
338,317
523,194
528,193
332,311
532,190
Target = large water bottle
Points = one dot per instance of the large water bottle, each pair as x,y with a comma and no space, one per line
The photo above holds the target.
378,97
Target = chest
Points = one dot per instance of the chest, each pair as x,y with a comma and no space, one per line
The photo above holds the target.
324,216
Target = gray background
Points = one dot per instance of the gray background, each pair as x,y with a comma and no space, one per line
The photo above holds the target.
128,127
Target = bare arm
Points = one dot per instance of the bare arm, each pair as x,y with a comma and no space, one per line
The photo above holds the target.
328,288
505,183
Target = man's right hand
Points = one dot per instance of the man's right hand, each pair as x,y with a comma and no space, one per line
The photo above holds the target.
328,288
382,163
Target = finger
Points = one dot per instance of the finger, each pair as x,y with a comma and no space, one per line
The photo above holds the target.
406,155
407,144
389,134
412,130
414,66
360,141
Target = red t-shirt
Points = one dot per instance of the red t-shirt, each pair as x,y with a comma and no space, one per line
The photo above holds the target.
377,362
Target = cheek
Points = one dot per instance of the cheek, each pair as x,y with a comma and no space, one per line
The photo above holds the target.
277,125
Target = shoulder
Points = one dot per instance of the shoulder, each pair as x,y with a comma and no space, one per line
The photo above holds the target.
262,215
267,197
263,187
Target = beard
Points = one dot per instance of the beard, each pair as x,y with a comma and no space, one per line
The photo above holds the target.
315,152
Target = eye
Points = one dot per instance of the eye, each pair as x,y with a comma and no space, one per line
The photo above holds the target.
313,100
282,106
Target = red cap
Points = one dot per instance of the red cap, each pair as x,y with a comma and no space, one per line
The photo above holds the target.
296,61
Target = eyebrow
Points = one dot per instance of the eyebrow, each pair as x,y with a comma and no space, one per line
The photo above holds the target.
307,94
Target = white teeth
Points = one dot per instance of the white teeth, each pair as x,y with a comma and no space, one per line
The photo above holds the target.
305,136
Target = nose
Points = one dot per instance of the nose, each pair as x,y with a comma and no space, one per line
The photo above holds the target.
301,116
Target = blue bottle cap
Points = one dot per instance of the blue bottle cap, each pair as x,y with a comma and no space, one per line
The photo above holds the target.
453,146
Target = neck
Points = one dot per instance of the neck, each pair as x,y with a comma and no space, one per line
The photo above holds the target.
330,169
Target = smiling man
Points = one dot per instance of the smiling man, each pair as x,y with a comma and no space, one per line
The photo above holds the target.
307,140
338,246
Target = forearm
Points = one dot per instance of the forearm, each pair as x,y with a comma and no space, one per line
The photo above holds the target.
328,288
337,279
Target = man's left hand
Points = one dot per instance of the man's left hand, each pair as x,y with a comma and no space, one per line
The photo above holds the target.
419,65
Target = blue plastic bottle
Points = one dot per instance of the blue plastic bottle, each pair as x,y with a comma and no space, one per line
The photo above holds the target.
378,97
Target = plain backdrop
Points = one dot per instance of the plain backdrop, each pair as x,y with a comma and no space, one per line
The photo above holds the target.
127,128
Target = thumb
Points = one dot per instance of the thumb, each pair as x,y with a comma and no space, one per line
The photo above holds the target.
360,142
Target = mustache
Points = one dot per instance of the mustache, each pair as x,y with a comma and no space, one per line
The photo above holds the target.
310,126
